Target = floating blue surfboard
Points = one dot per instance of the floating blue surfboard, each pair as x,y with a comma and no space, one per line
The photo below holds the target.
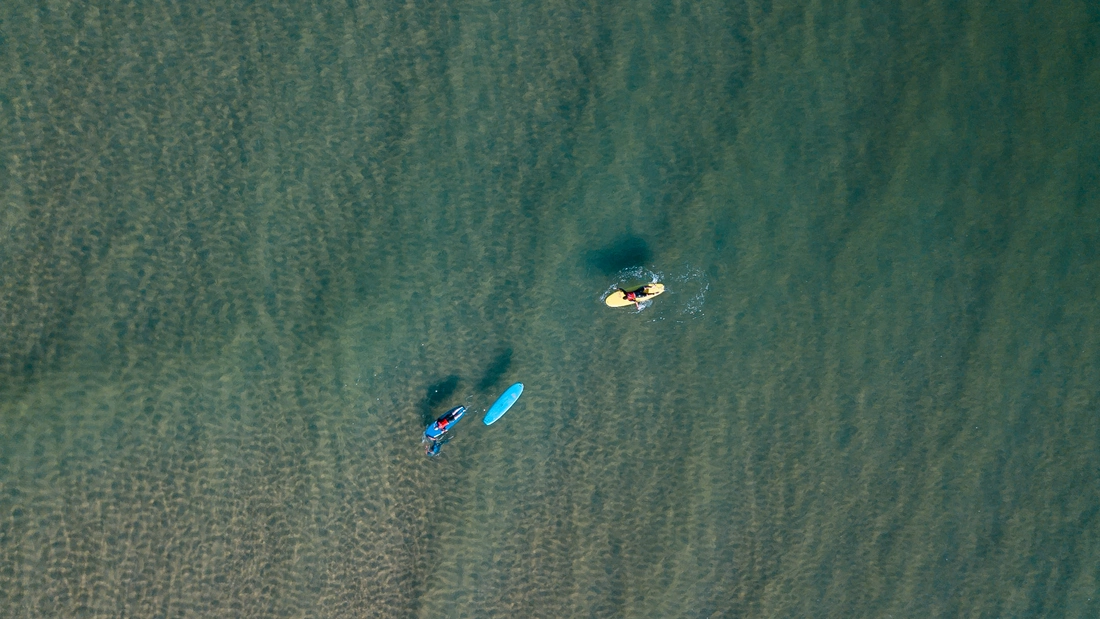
503,403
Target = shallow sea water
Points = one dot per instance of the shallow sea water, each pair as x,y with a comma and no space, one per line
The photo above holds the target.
248,250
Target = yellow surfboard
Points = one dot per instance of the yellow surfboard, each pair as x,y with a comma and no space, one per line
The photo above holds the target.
644,293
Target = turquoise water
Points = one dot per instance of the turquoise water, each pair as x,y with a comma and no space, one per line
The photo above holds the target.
248,249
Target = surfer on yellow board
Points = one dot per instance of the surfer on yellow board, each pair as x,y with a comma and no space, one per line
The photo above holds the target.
635,296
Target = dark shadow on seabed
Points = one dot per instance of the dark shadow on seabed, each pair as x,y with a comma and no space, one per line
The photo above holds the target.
435,395
496,370
624,253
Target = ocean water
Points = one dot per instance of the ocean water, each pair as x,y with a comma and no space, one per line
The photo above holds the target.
248,250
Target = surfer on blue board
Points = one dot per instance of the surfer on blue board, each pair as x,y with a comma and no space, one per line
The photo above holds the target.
436,433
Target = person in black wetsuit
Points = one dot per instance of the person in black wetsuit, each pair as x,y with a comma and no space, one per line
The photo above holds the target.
636,296
441,425
446,419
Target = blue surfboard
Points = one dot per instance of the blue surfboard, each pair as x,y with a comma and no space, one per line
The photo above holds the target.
503,403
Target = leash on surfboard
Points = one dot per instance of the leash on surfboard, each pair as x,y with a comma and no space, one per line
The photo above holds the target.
433,445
